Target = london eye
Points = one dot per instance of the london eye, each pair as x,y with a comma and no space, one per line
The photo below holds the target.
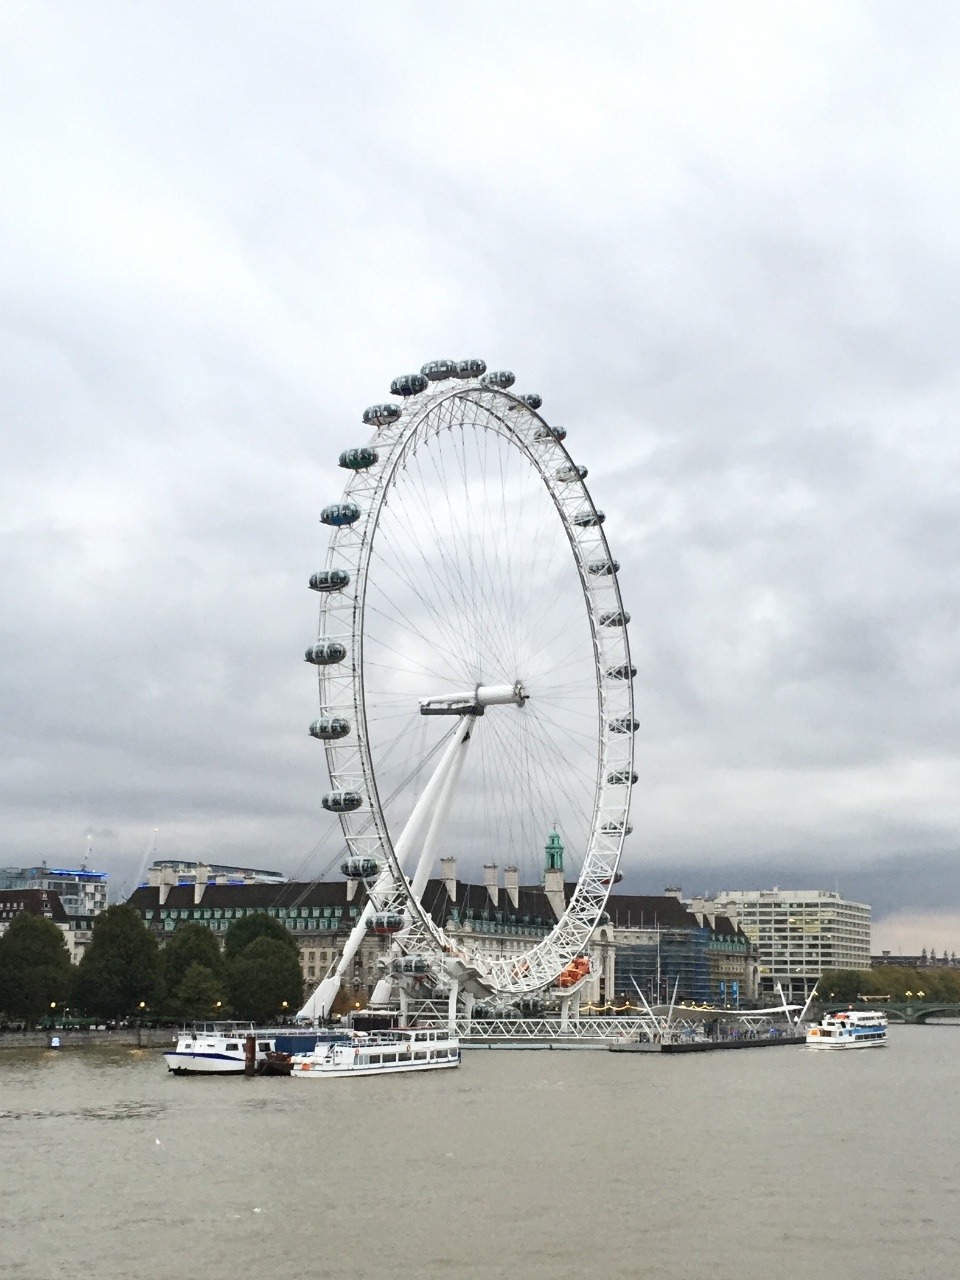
474,675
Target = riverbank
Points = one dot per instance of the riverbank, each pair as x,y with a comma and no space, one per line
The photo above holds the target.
136,1037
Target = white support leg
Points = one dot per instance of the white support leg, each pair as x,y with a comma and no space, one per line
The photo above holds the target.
321,1001
569,1011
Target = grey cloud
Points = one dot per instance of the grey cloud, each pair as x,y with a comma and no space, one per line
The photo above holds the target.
724,252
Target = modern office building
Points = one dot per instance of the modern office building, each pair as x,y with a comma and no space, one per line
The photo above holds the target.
81,892
799,933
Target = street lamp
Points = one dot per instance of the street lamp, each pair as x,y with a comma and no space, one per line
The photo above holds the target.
919,995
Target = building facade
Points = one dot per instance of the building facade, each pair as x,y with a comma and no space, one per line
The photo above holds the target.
82,892
799,933
653,940
76,930
319,915
663,949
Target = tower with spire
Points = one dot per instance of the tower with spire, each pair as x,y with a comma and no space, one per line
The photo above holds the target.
553,851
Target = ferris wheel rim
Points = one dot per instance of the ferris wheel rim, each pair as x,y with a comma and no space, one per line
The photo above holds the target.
503,413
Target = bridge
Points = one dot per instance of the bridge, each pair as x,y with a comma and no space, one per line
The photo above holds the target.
911,1012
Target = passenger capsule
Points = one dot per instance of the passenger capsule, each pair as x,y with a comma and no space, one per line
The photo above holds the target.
381,415
500,378
437,370
571,472
408,384
341,801
532,400
470,368
328,728
620,778
546,433
614,879
340,513
325,652
603,568
588,519
614,618
329,580
531,1004
625,671
615,829
360,868
624,724
415,965
359,459
386,922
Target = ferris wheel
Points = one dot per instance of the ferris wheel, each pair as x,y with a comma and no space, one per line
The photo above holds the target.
475,675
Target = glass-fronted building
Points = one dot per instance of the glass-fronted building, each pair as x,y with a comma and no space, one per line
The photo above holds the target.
82,892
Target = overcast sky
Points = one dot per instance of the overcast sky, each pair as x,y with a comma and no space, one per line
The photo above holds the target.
720,240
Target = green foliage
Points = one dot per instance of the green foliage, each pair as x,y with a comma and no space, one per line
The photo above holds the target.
890,980
193,973
35,968
243,932
121,968
198,995
264,975
191,944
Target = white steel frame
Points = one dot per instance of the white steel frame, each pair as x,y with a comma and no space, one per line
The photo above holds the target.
342,689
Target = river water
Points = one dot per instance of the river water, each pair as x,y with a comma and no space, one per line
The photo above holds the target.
764,1165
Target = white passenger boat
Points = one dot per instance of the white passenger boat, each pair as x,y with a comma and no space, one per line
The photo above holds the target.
215,1048
219,1048
853,1029
419,1049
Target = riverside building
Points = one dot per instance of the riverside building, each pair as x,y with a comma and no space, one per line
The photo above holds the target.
81,892
654,940
76,930
799,933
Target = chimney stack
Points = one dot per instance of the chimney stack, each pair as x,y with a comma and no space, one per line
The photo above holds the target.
490,882
448,873
511,882
553,888
166,879
203,875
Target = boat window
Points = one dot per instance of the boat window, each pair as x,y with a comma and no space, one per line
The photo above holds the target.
421,1055
389,1057
233,1046
264,1045
375,1058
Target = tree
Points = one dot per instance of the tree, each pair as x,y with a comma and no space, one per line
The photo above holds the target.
191,944
121,970
264,981
199,994
842,985
243,932
35,968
